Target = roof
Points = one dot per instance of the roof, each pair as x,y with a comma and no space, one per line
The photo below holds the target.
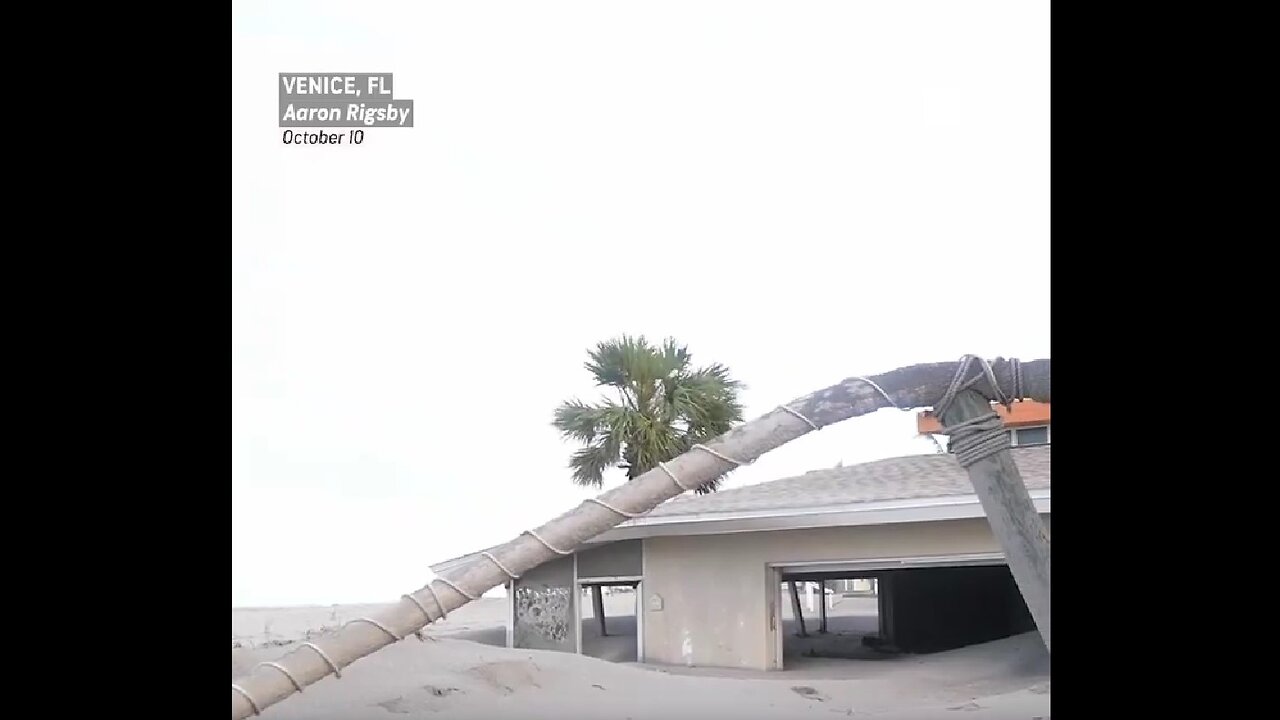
901,489
900,478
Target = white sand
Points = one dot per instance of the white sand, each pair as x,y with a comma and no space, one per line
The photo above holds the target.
463,675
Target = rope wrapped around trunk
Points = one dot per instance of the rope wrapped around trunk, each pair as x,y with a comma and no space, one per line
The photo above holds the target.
983,436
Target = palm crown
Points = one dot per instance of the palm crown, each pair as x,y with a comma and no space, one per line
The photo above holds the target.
663,406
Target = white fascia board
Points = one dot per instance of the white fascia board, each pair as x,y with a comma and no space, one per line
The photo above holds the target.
878,513
859,566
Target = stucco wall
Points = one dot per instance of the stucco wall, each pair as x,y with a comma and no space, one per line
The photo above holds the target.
617,559
715,590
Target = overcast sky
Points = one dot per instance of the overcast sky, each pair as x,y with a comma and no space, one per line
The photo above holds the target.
803,191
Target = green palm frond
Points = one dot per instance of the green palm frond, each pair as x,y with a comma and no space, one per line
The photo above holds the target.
579,421
621,361
590,462
663,408
674,357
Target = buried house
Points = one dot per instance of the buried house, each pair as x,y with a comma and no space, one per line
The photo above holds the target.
898,551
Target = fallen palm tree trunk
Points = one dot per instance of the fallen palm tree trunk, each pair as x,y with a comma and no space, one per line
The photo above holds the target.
909,387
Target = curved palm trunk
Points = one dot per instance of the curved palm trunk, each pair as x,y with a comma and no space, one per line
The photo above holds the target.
910,387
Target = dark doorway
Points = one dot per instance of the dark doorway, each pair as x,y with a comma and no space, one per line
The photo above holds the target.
943,608
614,634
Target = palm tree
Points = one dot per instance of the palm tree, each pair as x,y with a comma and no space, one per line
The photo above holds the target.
661,407
1024,541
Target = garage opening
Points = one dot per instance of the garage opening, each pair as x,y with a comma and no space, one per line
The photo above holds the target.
610,628
830,616
608,579
879,610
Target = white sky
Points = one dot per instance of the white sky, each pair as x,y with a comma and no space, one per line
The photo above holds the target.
797,190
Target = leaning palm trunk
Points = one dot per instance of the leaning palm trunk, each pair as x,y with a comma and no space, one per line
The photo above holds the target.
1009,509
910,387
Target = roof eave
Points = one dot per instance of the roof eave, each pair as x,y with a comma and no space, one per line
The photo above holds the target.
952,507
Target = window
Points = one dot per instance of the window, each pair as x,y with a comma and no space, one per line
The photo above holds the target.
1030,436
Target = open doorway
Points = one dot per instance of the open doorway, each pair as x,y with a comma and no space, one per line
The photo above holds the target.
830,616
882,609
610,614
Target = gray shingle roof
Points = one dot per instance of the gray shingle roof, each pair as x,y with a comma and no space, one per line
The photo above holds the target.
901,478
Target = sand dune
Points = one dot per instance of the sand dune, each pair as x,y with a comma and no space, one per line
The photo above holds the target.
456,677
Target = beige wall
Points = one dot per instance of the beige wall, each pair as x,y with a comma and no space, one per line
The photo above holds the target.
715,589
